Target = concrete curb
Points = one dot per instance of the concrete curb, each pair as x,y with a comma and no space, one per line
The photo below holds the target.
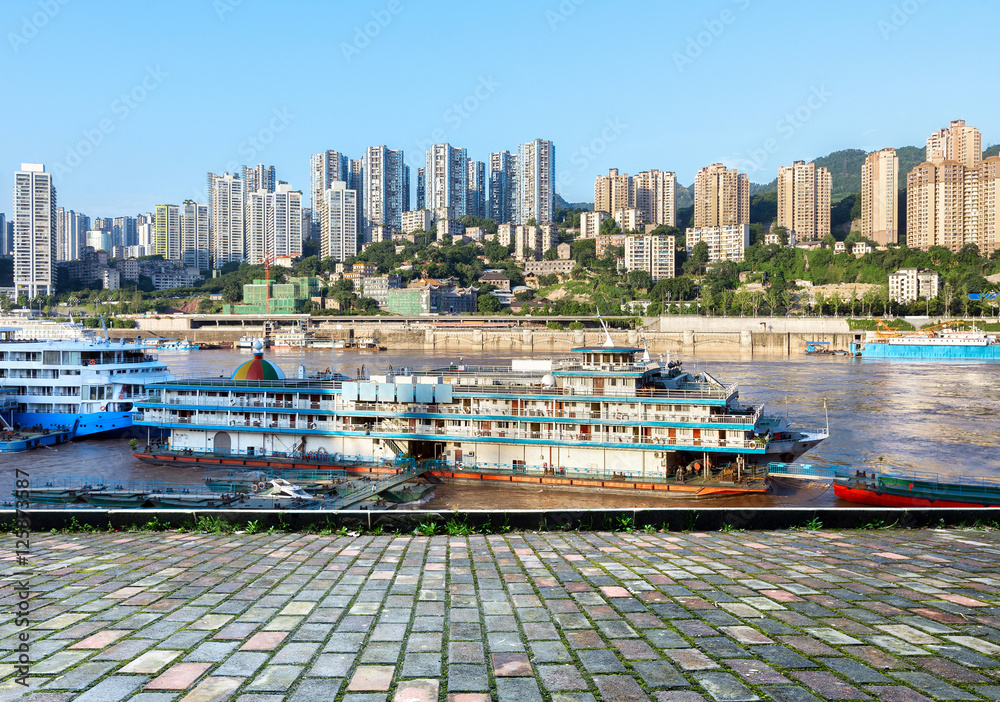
680,519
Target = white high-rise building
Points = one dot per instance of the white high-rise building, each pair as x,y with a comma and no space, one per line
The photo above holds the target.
167,232
4,244
655,193
145,235
725,243
195,250
446,178
259,177
226,201
386,189
324,169
503,187
655,254
475,198
71,232
256,226
284,223
34,231
536,180
590,223
339,228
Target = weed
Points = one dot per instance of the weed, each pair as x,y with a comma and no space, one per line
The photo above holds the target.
692,521
342,531
457,527
75,527
378,531
252,527
649,529
814,524
428,528
156,525
729,529
504,527
624,523
212,525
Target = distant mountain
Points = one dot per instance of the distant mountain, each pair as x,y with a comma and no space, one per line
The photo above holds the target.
992,151
560,202
845,170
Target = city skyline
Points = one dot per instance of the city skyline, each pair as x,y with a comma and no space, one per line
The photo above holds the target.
145,101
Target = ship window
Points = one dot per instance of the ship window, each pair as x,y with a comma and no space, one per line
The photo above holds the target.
50,358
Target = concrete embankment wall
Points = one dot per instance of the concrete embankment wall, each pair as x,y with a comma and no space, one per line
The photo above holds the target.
693,518
686,335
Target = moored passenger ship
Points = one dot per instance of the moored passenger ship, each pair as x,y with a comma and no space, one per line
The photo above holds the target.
606,411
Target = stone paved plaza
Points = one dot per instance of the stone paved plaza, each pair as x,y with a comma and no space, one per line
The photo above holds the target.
783,615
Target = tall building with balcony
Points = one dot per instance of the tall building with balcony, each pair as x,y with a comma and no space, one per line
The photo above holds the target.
880,197
34,218
536,181
195,247
475,198
503,187
935,205
656,254
590,223
804,200
226,213
324,168
613,192
256,226
386,191
629,220
421,189
728,243
284,223
259,177
655,194
989,205
123,231
958,143
721,197
167,232
446,178
71,231
339,228
908,284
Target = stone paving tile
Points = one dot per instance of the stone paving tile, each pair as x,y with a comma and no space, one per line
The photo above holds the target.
796,616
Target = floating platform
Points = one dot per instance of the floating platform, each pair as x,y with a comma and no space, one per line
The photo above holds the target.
19,441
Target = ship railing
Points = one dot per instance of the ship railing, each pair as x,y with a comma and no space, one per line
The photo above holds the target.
747,420
702,392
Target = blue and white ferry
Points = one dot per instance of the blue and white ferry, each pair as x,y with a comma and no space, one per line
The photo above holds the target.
606,410
85,386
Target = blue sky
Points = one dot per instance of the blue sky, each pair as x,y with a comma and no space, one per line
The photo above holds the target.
130,104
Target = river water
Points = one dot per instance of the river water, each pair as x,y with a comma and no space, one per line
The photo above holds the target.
914,415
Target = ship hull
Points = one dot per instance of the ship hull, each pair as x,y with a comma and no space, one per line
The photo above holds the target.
79,425
957,352
879,498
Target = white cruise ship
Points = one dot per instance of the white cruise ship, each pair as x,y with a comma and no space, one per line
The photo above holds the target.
85,385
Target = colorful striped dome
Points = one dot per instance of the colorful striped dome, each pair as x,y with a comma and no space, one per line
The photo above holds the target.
258,369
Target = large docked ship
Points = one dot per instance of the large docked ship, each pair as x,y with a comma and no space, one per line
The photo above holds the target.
81,386
606,411
932,344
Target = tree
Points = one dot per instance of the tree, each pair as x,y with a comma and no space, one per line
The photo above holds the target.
698,260
610,226
550,255
782,233
489,304
233,292
640,280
